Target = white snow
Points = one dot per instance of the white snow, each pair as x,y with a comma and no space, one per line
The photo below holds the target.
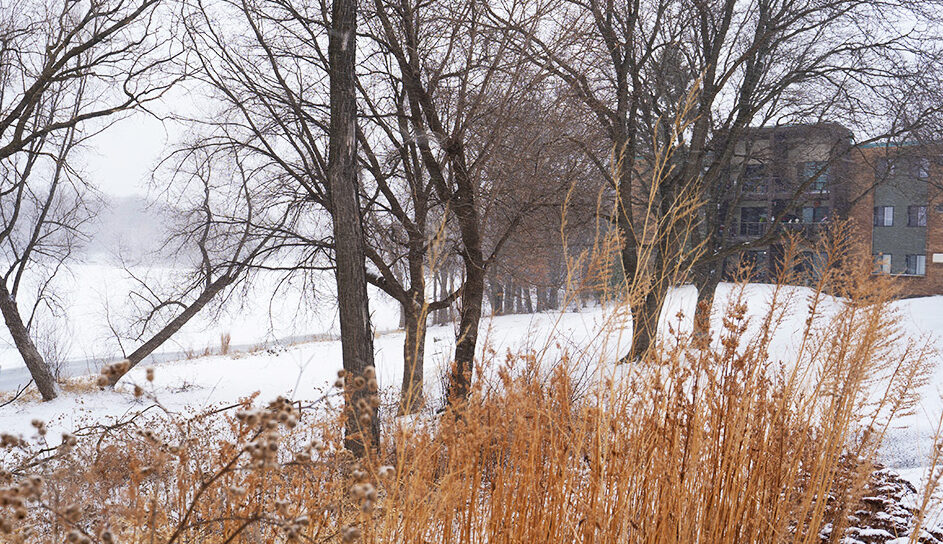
304,371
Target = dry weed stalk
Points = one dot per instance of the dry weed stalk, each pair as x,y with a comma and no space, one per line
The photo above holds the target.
714,441
719,438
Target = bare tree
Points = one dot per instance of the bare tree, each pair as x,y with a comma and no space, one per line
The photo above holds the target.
411,230
350,271
460,88
60,66
226,230
405,239
751,62
42,223
282,100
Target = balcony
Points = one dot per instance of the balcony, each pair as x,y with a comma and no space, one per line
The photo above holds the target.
753,228
806,230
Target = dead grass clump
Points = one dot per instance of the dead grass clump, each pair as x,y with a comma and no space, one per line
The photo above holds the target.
224,341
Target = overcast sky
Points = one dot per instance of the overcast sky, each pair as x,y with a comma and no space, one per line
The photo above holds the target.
120,159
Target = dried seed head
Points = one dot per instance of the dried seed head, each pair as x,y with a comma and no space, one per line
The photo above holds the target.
281,506
370,373
350,534
71,513
149,373
386,471
358,491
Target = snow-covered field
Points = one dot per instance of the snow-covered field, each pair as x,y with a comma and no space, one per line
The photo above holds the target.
94,300
305,370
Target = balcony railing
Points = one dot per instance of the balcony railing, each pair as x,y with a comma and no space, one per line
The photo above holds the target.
753,228
760,228
807,230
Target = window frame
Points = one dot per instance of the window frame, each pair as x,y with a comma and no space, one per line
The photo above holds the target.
820,183
883,263
914,216
886,220
919,262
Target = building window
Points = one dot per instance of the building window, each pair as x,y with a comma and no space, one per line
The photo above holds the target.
884,216
815,214
754,178
753,258
887,167
916,265
817,172
922,168
882,264
752,220
916,216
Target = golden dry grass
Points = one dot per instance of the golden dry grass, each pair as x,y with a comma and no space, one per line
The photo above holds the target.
710,441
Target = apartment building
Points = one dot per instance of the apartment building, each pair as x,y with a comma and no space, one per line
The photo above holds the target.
898,209
892,194
793,178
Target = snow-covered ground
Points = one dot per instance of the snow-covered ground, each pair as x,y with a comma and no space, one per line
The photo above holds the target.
305,370
94,301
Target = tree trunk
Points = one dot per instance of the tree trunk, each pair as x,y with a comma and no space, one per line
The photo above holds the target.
38,368
624,139
645,325
445,287
528,304
467,339
706,284
175,325
473,289
412,397
350,272
496,297
415,313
